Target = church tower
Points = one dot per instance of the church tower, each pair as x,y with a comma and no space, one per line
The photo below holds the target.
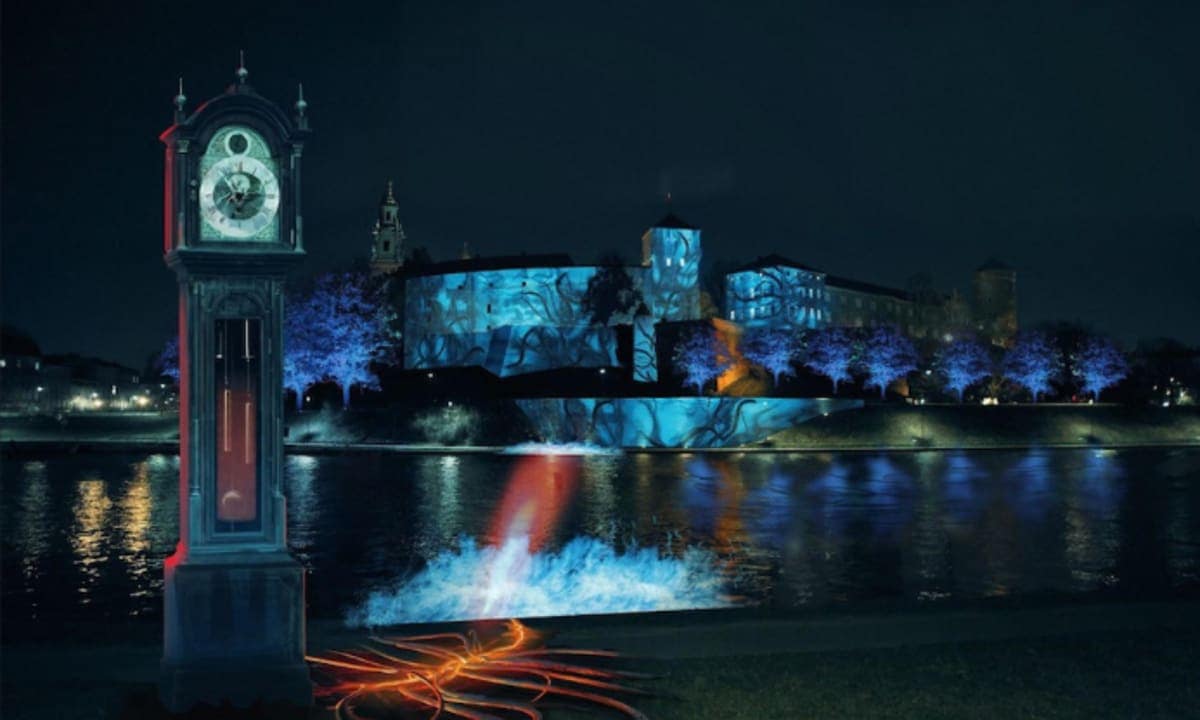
671,258
387,244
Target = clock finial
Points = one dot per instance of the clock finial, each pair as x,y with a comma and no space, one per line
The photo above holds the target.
390,197
242,72
180,99
301,106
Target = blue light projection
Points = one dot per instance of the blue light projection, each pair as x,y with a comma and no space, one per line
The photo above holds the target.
450,319
671,287
645,354
695,422
528,319
777,296
585,577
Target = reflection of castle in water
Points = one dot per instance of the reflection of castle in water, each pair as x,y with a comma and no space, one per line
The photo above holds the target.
521,314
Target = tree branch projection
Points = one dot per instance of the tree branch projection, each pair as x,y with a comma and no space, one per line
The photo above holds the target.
699,422
674,278
509,321
776,296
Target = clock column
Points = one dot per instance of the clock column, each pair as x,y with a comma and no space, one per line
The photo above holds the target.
234,625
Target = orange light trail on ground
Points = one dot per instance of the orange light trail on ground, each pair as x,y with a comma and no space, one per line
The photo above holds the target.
448,674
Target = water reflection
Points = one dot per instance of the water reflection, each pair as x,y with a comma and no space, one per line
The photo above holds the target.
89,534
33,530
303,507
86,535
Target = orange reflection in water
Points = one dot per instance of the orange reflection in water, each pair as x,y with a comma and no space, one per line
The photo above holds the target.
539,490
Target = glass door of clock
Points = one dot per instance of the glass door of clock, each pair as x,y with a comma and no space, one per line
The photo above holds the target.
238,364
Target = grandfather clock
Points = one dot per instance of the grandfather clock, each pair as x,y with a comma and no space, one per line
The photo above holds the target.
234,597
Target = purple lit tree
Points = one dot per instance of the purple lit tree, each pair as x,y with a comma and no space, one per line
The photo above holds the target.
1031,362
832,352
772,350
700,357
887,356
963,363
347,326
1098,364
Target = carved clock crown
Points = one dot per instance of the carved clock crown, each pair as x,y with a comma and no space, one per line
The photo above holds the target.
232,181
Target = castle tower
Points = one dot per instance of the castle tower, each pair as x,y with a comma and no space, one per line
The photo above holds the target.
671,256
387,239
994,302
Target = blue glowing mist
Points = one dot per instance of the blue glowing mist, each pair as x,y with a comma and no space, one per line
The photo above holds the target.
585,577
566,448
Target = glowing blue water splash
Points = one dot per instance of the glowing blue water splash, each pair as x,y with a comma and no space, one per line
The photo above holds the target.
569,448
585,577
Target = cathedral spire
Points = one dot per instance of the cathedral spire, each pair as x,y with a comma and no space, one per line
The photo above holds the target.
387,239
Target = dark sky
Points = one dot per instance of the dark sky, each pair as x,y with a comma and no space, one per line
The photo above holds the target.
874,142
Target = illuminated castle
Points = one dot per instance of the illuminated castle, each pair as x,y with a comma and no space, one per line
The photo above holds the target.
524,313
775,292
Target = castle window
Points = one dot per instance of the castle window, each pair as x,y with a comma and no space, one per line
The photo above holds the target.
489,307
732,316
668,262
387,245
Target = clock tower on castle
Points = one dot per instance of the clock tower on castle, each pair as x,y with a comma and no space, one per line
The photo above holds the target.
234,627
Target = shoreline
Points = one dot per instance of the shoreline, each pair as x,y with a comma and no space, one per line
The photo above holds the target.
73,446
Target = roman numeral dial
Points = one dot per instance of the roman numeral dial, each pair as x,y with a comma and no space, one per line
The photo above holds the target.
239,194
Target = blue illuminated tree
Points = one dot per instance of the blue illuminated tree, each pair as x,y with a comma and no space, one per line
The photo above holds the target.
1032,362
887,356
772,350
700,358
831,352
1098,364
963,363
167,362
302,357
346,322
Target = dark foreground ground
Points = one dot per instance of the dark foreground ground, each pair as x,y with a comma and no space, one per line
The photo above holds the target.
1136,660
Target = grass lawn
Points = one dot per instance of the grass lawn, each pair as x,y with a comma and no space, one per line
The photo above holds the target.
1123,675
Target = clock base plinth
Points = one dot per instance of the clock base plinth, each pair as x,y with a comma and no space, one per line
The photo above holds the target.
234,633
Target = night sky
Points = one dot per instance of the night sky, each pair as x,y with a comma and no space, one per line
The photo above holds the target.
874,143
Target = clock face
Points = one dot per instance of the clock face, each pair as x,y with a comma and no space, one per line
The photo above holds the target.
239,193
